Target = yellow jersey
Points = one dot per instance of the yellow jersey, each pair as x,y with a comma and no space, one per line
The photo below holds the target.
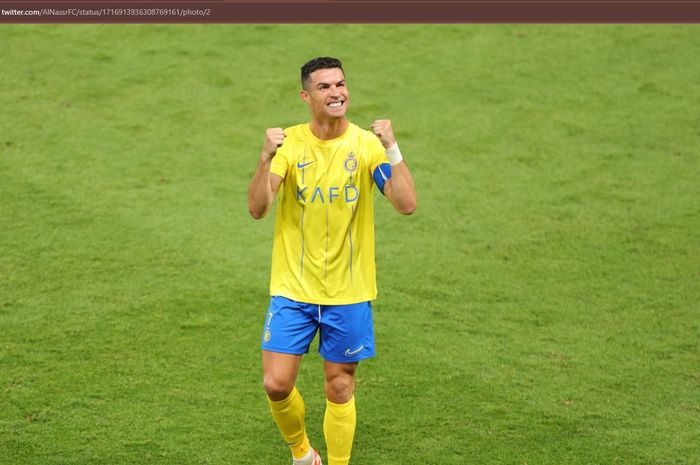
323,247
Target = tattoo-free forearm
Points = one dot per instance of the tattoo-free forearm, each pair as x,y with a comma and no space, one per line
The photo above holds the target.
403,189
260,194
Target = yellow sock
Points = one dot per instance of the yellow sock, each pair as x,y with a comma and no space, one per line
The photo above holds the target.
339,429
289,416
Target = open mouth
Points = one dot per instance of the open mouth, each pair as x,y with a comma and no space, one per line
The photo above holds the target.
336,105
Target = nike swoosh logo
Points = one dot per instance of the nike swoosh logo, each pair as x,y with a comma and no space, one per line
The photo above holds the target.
302,165
354,352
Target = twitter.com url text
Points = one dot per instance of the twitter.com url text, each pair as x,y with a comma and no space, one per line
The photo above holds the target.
109,12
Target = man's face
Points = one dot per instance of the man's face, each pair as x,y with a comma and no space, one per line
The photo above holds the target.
326,93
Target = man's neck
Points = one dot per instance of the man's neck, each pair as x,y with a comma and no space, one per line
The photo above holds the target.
326,130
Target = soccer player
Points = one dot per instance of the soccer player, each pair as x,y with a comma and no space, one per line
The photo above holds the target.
323,270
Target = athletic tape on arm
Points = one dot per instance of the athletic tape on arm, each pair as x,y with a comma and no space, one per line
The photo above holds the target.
394,154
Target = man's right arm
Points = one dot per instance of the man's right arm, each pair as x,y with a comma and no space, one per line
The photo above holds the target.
264,185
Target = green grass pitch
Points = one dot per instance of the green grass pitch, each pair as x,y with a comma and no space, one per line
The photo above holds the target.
542,306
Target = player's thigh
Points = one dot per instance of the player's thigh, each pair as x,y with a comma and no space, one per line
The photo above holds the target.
335,370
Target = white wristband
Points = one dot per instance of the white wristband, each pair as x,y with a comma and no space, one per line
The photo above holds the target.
394,154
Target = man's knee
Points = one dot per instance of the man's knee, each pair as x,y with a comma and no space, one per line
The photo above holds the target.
276,388
340,387
279,374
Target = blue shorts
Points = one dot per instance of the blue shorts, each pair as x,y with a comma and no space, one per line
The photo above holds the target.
346,331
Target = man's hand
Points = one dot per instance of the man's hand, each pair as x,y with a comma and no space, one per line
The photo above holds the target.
382,129
274,138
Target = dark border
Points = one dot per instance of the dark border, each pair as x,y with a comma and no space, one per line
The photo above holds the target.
355,11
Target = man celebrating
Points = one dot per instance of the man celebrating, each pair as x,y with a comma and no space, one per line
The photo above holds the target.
323,271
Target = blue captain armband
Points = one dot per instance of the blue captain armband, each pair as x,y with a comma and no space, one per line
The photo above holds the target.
381,175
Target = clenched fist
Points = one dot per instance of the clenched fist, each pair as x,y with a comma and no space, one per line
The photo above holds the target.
382,129
274,138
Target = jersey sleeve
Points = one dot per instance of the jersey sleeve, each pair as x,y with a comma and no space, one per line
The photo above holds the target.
280,163
379,163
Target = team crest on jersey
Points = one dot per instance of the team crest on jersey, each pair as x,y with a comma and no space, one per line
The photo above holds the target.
350,163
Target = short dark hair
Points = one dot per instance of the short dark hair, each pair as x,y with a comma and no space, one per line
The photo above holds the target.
316,64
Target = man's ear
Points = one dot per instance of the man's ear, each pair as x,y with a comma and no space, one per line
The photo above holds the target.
305,96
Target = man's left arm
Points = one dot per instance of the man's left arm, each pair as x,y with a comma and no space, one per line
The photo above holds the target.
400,188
